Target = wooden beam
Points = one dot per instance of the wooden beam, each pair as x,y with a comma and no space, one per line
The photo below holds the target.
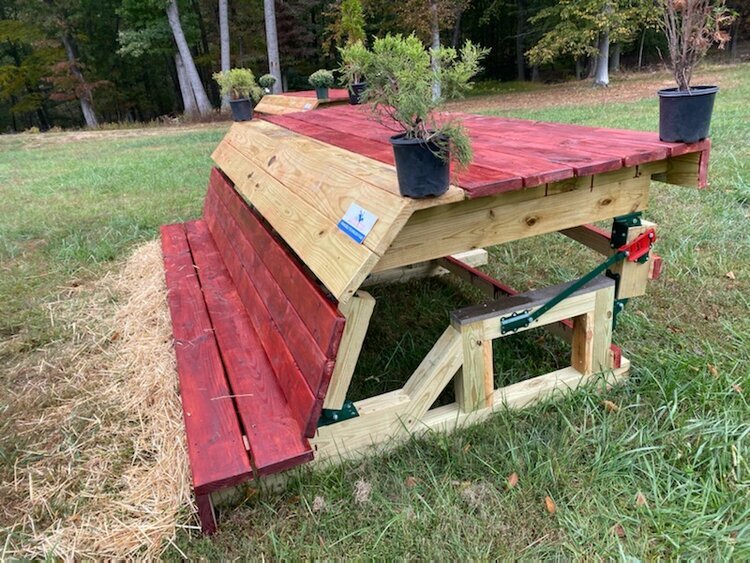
489,314
431,268
633,276
496,219
684,170
474,383
358,312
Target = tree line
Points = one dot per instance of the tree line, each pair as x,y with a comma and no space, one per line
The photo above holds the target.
70,63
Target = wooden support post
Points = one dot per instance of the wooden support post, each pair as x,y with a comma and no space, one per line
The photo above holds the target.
474,384
358,311
633,276
206,513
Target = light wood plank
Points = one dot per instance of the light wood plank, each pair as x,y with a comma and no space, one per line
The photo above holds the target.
683,170
339,263
278,104
497,219
432,268
358,312
326,177
471,381
633,276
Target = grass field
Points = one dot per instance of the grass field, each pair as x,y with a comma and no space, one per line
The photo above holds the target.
664,473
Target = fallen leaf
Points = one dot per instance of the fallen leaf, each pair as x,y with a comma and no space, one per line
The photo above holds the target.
731,276
319,504
713,371
512,480
618,530
411,481
467,447
550,504
640,499
610,406
362,491
737,388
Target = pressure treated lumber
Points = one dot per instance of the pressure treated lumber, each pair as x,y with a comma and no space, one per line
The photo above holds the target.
213,431
513,154
358,311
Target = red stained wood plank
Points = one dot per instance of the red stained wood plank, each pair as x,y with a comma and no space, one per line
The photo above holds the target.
506,150
311,361
296,390
214,439
319,314
274,435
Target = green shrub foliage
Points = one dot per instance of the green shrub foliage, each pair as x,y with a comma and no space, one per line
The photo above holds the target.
238,83
321,79
400,78
353,58
267,81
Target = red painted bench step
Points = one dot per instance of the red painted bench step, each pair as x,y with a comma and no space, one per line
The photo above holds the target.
255,339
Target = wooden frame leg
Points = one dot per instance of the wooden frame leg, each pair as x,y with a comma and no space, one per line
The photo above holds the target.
358,312
206,514
474,384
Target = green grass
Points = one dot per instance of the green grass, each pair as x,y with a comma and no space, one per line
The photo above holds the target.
679,440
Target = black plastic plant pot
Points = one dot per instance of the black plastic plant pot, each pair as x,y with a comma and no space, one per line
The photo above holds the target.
355,93
685,116
421,171
322,93
242,109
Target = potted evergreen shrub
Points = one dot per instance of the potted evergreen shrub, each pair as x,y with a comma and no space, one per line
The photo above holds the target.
266,82
400,78
353,58
351,24
239,85
691,27
321,80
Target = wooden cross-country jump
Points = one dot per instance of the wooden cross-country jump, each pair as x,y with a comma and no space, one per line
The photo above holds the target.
267,289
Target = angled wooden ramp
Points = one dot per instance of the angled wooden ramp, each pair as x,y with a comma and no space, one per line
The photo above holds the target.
293,102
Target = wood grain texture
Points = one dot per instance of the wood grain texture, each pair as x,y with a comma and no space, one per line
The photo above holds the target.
319,314
476,375
494,220
358,312
214,438
510,154
273,433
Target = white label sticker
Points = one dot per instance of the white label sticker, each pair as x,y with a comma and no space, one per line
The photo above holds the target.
357,222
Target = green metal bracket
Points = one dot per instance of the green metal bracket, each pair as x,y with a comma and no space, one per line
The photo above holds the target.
520,320
635,250
332,416
620,226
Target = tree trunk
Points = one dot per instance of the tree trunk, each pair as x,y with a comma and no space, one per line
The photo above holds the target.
191,72
579,68
435,47
84,97
734,45
189,103
272,44
640,50
520,29
615,57
535,73
602,64
457,30
224,40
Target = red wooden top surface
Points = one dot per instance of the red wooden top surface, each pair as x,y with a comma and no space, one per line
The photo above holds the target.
334,94
509,154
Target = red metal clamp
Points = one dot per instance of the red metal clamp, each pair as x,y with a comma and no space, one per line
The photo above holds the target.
639,246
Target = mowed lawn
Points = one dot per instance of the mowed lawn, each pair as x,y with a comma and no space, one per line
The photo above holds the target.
657,467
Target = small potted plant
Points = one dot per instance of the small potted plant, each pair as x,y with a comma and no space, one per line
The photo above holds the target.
266,82
400,79
353,59
691,27
239,85
321,80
